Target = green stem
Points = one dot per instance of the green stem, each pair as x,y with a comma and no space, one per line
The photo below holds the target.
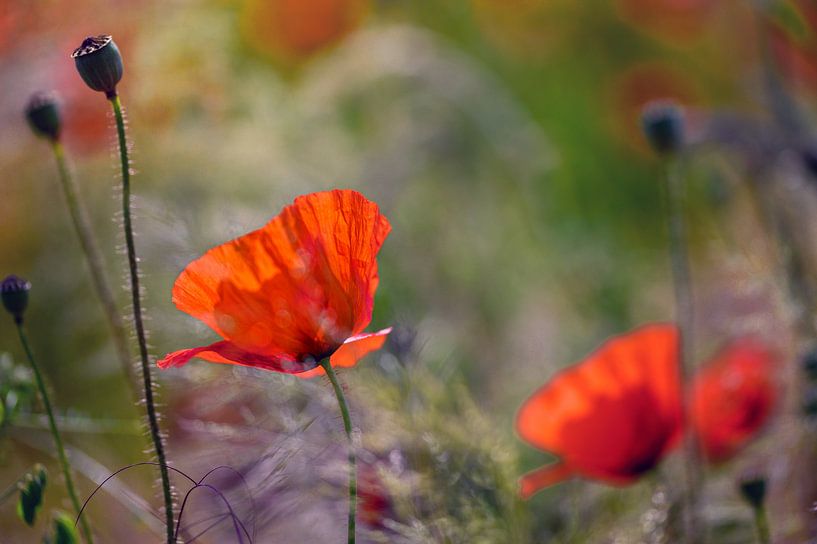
11,490
93,257
762,525
63,459
682,286
133,265
347,425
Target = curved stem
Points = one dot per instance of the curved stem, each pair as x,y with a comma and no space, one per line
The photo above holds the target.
682,285
93,257
347,425
133,267
63,459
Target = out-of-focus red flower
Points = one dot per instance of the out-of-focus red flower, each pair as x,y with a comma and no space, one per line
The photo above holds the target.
290,294
293,30
374,503
673,20
611,417
732,397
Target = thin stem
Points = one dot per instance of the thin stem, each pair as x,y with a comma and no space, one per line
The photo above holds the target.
63,459
93,257
11,490
762,525
682,286
133,266
347,425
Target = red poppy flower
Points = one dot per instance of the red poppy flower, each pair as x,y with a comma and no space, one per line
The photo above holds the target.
293,30
611,417
290,294
732,397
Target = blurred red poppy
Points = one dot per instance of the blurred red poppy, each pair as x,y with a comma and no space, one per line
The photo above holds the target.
676,21
290,294
732,397
292,30
611,417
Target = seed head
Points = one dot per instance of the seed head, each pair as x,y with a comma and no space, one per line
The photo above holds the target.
14,292
99,63
753,489
43,115
663,124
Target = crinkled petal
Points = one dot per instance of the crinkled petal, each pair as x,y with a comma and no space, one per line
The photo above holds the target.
228,353
297,287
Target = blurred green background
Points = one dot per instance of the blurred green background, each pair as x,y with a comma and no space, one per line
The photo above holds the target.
500,138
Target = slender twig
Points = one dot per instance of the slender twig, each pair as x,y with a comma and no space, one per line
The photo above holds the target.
93,257
133,267
682,286
63,459
347,425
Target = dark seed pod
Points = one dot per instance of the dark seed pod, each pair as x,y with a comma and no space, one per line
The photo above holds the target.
663,125
753,490
809,364
43,115
99,63
14,292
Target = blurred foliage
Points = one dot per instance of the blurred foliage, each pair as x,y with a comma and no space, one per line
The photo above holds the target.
501,140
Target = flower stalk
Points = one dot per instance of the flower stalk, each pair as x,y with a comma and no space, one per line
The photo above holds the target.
65,466
93,257
144,358
347,425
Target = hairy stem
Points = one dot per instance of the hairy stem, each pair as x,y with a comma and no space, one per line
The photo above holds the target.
682,285
93,257
133,268
347,425
63,459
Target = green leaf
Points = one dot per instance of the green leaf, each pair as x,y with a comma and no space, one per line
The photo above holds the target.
63,530
32,490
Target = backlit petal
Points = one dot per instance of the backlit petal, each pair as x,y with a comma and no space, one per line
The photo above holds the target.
228,353
297,287
613,416
352,350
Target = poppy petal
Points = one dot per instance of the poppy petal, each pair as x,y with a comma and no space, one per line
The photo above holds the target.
732,397
297,287
613,416
226,352
537,480
352,350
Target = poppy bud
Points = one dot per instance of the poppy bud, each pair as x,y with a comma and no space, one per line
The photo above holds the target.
753,490
810,403
809,363
14,292
99,63
663,124
43,115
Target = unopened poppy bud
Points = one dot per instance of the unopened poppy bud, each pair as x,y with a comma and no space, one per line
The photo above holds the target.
663,125
810,403
99,63
753,490
43,115
809,363
14,292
